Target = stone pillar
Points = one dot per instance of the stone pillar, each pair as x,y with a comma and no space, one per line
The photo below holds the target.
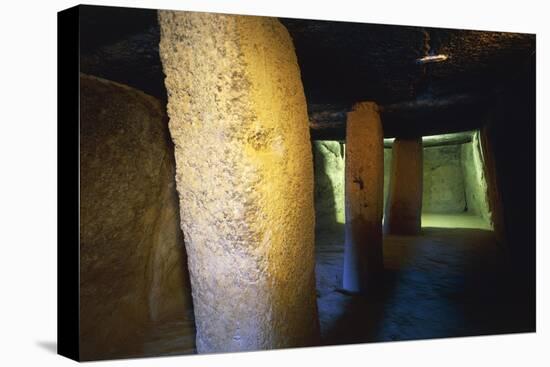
363,260
404,205
239,122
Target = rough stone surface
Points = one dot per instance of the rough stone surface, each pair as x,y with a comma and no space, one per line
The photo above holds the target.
493,191
341,62
363,262
329,183
443,185
404,204
443,188
132,260
475,180
239,122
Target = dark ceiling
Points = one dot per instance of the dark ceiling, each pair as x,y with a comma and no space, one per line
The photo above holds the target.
341,63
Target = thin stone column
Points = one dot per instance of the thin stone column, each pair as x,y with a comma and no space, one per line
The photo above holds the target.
404,205
364,197
239,122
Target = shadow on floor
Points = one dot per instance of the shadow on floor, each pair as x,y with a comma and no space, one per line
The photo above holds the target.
442,283
446,282
49,346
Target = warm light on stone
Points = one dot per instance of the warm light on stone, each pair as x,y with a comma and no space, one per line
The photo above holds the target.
239,122
132,261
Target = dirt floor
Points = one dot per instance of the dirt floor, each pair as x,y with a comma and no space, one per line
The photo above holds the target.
447,282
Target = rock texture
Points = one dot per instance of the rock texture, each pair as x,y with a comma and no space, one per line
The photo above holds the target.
454,180
329,183
341,63
363,262
493,192
404,204
443,182
475,180
444,186
132,260
238,119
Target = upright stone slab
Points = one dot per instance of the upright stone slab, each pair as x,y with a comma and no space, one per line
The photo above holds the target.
329,184
133,271
364,197
239,122
404,205
493,190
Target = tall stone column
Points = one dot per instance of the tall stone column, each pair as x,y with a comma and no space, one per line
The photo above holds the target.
238,119
363,260
404,205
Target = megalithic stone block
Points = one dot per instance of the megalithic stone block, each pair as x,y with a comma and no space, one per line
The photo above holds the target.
364,198
238,118
404,205
132,268
493,191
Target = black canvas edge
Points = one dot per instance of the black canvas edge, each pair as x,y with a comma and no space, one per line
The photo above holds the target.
68,184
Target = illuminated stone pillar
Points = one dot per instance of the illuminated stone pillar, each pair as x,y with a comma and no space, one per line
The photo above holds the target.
404,205
239,122
364,197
